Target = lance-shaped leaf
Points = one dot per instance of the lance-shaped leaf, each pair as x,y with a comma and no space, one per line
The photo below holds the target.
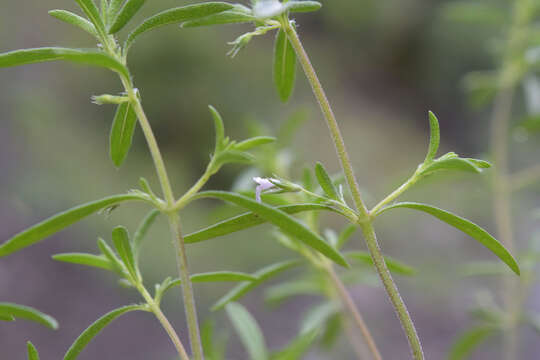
284,66
94,329
248,330
219,128
469,341
142,230
126,13
325,181
122,244
282,220
98,261
262,275
109,253
214,348
122,131
61,221
82,56
32,351
237,15
91,10
175,16
297,348
7,318
75,20
467,227
434,138
302,6
223,276
27,313
451,161
254,142
245,221
393,265
113,9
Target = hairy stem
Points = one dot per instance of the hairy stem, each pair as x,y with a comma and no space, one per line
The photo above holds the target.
357,318
365,219
164,322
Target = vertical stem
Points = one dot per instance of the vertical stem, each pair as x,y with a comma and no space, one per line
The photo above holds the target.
187,290
364,220
357,317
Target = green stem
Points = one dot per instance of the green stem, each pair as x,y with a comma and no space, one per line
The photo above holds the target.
164,322
394,195
364,220
184,200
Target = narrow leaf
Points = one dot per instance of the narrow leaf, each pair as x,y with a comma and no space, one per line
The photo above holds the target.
32,351
282,220
302,6
452,161
434,138
325,181
219,129
245,221
262,275
175,16
94,329
122,131
130,8
298,347
91,10
75,20
469,341
98,261
27,313
237,15
467,227
248,330
142,230
7,318
108,252
37,55
284,66
59,222
222,276
254,142
393,264
122,244
317,316
114,8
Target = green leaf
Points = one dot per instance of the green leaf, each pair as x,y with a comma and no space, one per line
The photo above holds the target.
222,276
451,161
469,341
177,15
254,142
213,349
326,183
237,15
94,329
284,66
248,330
298,347
233,156
302,6
122,244
91,10
122,131
114,8
245,221
75,20
142,230
262,275
434,137
37,55
392,264
109,253
219,129
282,220
318,315
98,261
130,8
467,227
61,221
7,318
32,351
27,313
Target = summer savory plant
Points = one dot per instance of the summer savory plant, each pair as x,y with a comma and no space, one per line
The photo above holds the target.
300,233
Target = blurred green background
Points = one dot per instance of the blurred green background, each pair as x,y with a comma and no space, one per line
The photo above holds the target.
384,64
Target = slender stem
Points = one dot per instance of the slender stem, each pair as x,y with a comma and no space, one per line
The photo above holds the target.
180,203
394,195
348,303
187,289
164,322
365,220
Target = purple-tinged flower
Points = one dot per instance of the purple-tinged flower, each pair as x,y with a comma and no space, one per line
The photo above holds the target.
263,184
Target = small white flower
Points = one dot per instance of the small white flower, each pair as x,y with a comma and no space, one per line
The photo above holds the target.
267,8
263,184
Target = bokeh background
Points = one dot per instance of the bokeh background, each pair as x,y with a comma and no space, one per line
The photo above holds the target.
384,64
